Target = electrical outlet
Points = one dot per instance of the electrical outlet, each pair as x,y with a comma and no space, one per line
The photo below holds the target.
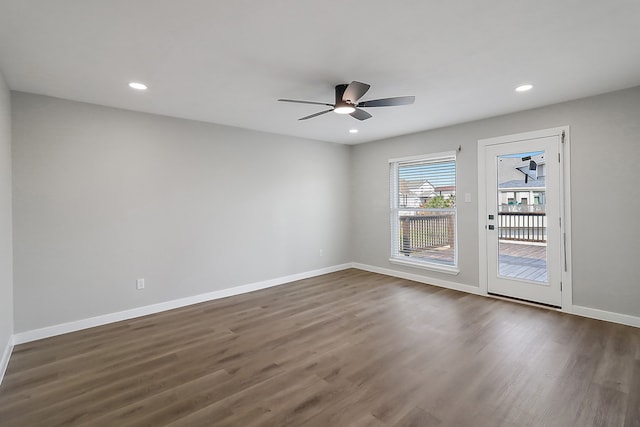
140,284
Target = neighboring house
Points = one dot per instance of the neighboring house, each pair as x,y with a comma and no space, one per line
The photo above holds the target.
521,183
447,191
413,193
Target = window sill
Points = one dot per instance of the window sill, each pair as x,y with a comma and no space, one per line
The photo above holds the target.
426,266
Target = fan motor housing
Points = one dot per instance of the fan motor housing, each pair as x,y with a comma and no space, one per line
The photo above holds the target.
343,106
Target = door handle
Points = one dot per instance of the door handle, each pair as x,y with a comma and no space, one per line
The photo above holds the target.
491,227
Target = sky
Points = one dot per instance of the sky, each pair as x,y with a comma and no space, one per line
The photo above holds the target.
531,153
438,174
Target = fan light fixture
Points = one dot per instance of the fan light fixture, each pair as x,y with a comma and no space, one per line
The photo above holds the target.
344,108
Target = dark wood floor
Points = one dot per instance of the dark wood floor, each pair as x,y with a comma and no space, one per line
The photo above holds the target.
345,349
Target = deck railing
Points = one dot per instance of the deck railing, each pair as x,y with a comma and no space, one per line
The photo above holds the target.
423,232
522,226
420,232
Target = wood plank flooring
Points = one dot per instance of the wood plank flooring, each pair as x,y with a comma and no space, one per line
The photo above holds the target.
350,348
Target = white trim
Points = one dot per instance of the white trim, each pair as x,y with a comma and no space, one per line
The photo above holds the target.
430,157
426,266
482,211
6,355
565,191
419,278
50,331
565,194
536,134
607,316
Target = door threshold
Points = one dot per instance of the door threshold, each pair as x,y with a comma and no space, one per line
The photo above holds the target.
524,301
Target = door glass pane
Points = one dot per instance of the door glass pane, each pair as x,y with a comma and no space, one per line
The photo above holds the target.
522,222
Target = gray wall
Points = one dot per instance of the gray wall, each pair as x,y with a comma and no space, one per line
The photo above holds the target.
6,264
104,196
605,157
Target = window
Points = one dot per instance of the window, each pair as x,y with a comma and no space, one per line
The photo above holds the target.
423,211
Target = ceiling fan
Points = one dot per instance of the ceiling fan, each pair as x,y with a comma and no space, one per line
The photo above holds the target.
347,97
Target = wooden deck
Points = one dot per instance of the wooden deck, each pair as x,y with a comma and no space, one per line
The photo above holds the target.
517,260
522,261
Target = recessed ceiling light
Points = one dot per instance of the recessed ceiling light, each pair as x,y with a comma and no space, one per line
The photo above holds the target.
353,130
524,88
138,86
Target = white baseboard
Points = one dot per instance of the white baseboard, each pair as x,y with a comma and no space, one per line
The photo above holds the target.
608,316
50,331
592,313
46,332
6,355
419,278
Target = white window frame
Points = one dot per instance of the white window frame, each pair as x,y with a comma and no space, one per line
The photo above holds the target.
395,258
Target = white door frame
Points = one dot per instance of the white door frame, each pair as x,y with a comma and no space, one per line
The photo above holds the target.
565,205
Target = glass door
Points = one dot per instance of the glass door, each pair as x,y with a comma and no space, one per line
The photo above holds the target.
523,213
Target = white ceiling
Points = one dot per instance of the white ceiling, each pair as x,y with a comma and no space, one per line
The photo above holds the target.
228,61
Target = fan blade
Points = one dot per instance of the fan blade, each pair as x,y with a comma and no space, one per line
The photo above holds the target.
355,91
360,114
388,102
315,115
305,102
